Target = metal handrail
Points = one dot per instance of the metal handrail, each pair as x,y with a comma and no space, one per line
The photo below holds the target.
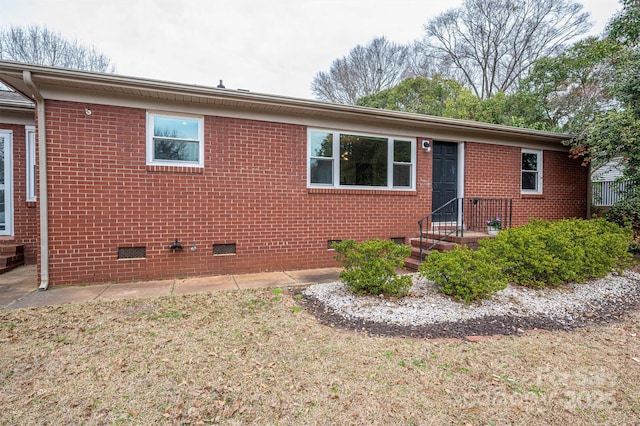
474,211
442,236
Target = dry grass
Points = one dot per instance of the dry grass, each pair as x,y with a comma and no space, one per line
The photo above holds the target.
252,357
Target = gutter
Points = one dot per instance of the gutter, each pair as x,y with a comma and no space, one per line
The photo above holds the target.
42,185
136,86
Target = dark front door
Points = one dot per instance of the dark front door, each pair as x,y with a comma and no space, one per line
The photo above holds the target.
445,180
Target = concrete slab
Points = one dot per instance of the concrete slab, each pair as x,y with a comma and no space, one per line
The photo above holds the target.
315,276
59,296
205,284
137,290
266,279
18,288
17,283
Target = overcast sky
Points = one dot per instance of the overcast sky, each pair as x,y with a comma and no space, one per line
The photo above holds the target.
266,46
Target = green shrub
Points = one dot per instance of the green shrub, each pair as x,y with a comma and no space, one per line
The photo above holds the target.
544,253
370,267
626,213
464,274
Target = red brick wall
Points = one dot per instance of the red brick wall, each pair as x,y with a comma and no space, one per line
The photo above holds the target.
494,171
25,215
252,192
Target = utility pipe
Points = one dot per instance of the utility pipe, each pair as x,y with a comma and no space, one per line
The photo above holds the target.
42,174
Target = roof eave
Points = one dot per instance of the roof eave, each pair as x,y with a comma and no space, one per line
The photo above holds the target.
12,74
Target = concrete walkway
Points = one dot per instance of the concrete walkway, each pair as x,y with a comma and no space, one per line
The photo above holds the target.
19,289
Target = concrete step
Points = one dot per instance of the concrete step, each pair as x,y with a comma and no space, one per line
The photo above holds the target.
470,239
9,249
428,242
11,256
11,259
10,267
411,264
467,237
415,253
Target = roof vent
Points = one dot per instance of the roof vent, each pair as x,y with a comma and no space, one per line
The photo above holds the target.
220,86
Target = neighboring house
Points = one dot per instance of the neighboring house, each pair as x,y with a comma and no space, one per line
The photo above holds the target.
607,184
246,182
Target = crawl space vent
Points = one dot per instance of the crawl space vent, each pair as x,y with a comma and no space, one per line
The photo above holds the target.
132,252
224,249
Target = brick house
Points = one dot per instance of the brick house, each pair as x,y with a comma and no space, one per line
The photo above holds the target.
246,182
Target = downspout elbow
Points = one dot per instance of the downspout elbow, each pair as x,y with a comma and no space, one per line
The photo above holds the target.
42,187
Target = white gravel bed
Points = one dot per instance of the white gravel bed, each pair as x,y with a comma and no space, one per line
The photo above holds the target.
425,305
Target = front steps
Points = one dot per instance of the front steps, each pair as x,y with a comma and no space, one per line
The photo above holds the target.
11,256
470,239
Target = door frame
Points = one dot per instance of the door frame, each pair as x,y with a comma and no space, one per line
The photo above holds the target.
8,182
459,173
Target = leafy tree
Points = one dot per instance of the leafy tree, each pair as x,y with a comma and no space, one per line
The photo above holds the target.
40,45
366,70
571,89
615,133
490,44
448,98
516,110
434,96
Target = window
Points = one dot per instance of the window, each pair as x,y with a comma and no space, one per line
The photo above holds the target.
31,163
345,160
531,172
6,184
321,164
175,140
402,163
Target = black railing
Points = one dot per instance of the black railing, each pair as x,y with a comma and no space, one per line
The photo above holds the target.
449,222
479,212
460,214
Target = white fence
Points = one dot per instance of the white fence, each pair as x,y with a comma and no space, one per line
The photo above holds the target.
607,193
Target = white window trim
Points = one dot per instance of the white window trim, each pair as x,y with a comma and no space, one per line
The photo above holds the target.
8,183
153,162
30,138
540,169
336,161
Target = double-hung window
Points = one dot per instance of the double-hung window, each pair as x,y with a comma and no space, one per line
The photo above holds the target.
531,182
349,160
175,140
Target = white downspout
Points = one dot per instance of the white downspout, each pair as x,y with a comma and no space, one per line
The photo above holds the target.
42,185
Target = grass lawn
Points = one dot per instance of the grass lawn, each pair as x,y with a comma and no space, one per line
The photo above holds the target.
254,357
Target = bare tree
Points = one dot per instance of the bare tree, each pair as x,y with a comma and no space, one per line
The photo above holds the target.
40,45
368,69
489,45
